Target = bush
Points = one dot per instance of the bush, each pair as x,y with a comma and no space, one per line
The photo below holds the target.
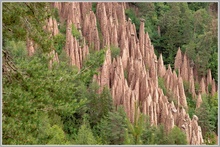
101,101
191,102
126,74
85,135
162,85
210,138
207,119
56,14
99,32
39,90
115,51
62,28
131,14
59,42
94,7
176,136
112,127
91,64
17,49
75,32
209,88
197,87
154,134
186,86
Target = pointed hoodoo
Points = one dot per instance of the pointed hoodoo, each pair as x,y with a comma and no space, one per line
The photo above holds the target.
184,68
178,59
213,87
141,36
90,31
202,86
135,53
191,83
199,101
183,101
161,69
105,72
209,77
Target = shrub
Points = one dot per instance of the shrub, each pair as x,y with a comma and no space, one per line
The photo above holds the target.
17,49
91,64
191,102
131,14
126,74
186,86
101,101
85,135
177,72
94,7
100,33
56,14
209,88
176,136
115,51
59,42
210,138
112,127
75,32
197,87
162,85
62,28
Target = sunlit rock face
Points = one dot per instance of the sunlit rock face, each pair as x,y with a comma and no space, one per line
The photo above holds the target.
133,75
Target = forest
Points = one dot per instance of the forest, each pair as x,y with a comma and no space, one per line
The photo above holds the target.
60,104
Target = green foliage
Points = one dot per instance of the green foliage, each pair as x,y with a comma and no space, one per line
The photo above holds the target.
56,136
56,14
186,86
210,138
112,127
208,114
162,85
126,74
166,92
176,137
75,32
48,106
36,90
190,26
16,50
101,101
62,28
153,135
99,32
131,14
115,51
191,102
213,65
25,19
85,135
91,64
94,5
196,6
59,42
177,72
197,87
136,129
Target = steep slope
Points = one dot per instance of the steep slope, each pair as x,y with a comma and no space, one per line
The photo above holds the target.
132,76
